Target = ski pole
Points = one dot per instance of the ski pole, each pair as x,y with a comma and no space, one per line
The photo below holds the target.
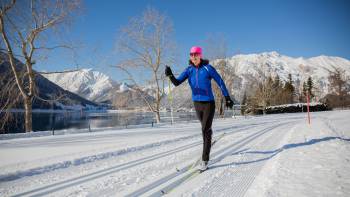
171,102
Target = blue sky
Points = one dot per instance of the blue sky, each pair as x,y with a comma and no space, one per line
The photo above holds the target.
291,27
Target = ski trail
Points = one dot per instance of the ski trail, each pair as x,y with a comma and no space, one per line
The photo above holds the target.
96,178
96,157
218,156
173,175
245,168
56,186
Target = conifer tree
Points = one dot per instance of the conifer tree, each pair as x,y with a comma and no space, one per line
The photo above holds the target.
310,86
289,90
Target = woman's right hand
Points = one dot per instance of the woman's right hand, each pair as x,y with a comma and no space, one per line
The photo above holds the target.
229,102
168,71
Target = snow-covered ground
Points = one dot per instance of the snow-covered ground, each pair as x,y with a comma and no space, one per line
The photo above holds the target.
272,155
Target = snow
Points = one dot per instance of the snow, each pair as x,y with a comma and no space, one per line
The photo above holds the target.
271,155
123,87
88,83
272,63
294,105
314,161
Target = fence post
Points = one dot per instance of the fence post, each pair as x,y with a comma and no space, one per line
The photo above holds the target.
53,129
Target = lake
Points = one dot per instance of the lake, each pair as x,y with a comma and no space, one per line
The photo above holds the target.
44,121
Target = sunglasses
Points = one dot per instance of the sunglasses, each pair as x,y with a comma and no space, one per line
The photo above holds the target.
194,54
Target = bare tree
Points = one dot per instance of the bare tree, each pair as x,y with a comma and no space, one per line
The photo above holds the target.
147,43
268,91
23,25
339,84
264,93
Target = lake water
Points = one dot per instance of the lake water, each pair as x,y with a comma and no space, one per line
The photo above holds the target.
82,120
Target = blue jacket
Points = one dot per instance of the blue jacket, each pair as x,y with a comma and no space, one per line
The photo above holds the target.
199,79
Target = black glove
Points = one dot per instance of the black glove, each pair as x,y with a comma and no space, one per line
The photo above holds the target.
170,74
229,102
168,71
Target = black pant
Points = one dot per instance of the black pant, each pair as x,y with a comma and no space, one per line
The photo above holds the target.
205,111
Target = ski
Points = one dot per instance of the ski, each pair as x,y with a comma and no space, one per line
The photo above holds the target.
184,179
200,158
192,174
175,184
212,144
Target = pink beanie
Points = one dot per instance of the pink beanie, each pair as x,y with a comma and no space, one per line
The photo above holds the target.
196,49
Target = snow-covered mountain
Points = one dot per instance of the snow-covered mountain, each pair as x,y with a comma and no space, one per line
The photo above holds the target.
99,87
88,83
272,63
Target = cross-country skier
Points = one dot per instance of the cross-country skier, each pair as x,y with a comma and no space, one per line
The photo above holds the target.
199,74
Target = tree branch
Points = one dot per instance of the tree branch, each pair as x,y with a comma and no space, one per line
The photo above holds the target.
137,86
49,100
54,47
8,7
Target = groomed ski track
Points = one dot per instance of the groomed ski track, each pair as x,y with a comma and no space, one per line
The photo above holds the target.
150,168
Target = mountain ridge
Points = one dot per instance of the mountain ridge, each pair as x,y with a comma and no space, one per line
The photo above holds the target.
273,63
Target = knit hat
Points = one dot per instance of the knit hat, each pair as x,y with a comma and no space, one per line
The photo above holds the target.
196,49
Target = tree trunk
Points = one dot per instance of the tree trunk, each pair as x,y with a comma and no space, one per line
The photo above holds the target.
28,114
157,116
222,108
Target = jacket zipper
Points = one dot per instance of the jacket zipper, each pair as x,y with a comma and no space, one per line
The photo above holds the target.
197,80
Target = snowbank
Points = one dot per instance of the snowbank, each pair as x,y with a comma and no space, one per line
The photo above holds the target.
313,160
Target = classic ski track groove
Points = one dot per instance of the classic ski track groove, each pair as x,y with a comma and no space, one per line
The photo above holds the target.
177,182
100,156
247,174
251,171
56,186
171,176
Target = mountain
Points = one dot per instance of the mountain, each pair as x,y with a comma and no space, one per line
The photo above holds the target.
256,66
87,83
252,67
45,89
98,87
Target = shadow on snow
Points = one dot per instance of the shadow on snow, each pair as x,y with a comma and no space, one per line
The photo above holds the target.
273,153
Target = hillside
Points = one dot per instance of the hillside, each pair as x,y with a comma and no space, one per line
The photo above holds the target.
45,89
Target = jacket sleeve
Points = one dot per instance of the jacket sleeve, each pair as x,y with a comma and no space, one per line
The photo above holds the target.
177,81
215,75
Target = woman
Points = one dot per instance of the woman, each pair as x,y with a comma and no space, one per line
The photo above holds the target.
199,74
